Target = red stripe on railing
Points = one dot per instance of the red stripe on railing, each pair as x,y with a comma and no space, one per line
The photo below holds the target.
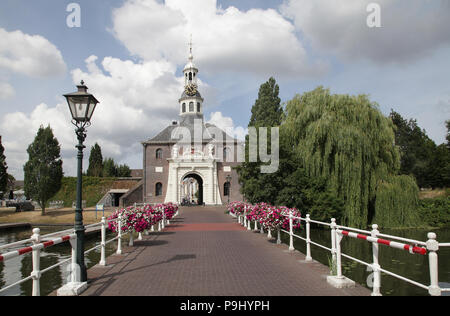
384,242
362,236
1,258
48,244
24,250
420,250
65,238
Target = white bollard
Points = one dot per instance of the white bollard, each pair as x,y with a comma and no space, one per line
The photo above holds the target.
269,233
103,244
36,257
245,216
131,243
279,236
262,229
119,240
291,232
75,271
376,265
256,226
140,236
432,247
308,239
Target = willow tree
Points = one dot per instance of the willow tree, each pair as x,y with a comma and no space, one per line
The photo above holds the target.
347,140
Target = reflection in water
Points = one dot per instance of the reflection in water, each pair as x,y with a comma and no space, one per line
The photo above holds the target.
21,267
412,266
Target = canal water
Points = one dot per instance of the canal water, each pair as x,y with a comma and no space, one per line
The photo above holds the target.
412,266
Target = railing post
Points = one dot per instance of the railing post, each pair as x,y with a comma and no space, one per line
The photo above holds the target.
278,236
163,225
119,228
432,247
308,239
333,240
36,257
262,228
291,232
375,266
103,243
338,239
256,225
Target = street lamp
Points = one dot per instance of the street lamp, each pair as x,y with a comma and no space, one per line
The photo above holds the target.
81,105
229,187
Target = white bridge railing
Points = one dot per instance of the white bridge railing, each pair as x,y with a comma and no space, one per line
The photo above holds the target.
338,233
40,242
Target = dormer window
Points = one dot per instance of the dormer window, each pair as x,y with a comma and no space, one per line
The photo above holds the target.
183,108
198,106
191,106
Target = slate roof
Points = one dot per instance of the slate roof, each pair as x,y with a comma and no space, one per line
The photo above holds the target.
187,121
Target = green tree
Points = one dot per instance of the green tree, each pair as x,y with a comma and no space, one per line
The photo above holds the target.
123,171
43,170
3,169
95,168
416,149
347,141
266,112
439,170
447,137
109,168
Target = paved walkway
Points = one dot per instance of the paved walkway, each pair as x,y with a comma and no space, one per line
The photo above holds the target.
204,252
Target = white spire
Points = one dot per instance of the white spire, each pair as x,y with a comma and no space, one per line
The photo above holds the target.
190,64
191,57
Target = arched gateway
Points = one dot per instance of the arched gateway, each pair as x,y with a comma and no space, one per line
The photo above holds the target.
192,188
199,156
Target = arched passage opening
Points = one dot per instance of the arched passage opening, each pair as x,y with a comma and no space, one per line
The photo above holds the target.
192,188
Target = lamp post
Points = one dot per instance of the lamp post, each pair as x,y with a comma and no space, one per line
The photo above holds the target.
229,187
81,105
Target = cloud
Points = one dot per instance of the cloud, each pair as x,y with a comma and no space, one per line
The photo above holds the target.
31,55
411,29
6,91
16,138
226,124
225,40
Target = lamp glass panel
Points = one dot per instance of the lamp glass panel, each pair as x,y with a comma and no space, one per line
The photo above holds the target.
91,110
79,107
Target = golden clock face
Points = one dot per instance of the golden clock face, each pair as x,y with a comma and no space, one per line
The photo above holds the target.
191,89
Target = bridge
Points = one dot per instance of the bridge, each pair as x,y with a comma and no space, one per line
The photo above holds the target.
204,252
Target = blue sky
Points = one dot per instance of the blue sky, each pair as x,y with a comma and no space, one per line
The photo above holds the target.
131,52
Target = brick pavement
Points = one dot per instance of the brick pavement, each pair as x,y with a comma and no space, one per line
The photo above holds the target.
206,253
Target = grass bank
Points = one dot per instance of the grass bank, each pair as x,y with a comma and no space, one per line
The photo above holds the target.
94,188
